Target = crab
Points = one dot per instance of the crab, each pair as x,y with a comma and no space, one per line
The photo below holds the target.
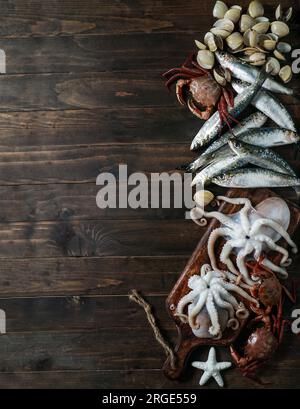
196,88
264,340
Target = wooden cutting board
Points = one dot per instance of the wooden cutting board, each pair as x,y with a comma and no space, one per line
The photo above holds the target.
187,341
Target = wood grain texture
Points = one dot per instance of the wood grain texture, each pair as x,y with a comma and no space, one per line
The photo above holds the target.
83,92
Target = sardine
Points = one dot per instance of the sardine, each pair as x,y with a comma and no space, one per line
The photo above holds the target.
214,125
205,176
269,105
268,137
242,70
201,161
262,157
255,120
255,178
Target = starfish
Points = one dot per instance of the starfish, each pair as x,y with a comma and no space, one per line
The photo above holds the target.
211,368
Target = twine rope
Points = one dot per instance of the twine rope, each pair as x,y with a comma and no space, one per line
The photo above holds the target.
137,298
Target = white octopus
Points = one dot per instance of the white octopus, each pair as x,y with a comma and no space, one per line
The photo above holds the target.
250,233
210,290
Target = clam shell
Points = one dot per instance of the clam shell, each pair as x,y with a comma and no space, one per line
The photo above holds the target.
287,16
246,22
203,197
273,36
213,42
225,24
278,12
209,40
257,58
261,19
235,40
261,28
286,73
255,9
279,55
220,32
269,45
236,6
219,9
250,38
206,59
200,45
280,28
272,66
233,14
219,78
284,47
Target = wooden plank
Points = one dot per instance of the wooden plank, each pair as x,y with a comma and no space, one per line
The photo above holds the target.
64,164
158,125
109,348
69,202
76,333
98,238
89,275
275,378
111,52
27,18
80,314
67,164
122,89
95,53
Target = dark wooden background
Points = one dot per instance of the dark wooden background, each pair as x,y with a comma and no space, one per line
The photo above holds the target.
82,94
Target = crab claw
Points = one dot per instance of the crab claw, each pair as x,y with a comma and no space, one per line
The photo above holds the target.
179,91
197,112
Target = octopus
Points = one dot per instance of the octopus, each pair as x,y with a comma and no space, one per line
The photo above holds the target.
211,291
250,233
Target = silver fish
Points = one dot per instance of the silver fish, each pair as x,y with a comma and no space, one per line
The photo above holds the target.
201,161
255,120
242,70
262,157
269,105
214,125
268,137
255,178
217,167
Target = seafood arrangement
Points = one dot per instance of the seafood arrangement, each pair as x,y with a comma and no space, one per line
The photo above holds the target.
233,294
241,62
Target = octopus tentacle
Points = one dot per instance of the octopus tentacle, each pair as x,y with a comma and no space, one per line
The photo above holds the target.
226,250
273,246
240,261
277,227
215,327
223,304
277,269
241,292
186,299
222,218
215,234
226,296
197,308
243,212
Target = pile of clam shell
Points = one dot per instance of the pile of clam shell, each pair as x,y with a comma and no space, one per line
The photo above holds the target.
252,36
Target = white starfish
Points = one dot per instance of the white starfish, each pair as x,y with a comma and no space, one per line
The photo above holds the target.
211,368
